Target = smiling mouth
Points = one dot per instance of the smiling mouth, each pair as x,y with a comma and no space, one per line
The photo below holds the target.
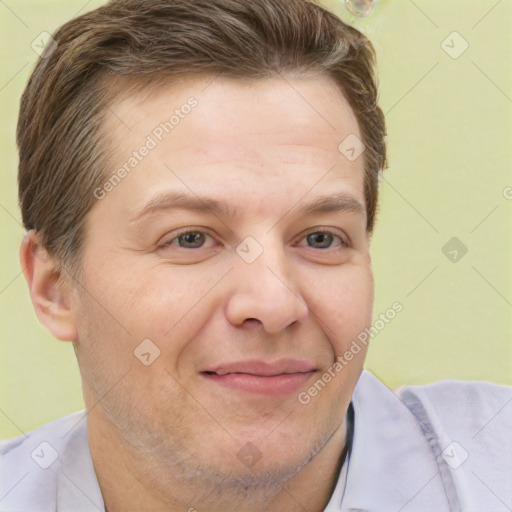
249,373
275,386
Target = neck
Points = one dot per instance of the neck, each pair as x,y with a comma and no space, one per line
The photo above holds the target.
132,480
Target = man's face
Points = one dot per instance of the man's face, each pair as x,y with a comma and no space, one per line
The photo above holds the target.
254,280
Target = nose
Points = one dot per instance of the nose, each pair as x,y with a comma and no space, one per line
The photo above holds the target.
264,291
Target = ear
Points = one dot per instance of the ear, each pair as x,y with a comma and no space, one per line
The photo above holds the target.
51,296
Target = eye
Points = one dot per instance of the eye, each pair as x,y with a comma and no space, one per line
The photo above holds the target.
187,240
195,239
323,239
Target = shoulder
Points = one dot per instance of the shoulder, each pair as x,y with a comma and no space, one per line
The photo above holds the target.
55,431
468,426
456,431
29,464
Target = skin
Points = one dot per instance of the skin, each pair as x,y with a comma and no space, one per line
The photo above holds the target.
161,436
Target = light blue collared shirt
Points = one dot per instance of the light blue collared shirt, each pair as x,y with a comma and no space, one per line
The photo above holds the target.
441,447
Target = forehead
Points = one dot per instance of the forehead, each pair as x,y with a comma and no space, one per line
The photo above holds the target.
306,110
214,131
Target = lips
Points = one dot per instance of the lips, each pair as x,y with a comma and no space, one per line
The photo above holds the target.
273,379
263,368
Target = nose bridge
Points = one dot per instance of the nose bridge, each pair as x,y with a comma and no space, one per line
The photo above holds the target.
264,286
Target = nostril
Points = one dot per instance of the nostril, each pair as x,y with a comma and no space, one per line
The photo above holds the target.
251,321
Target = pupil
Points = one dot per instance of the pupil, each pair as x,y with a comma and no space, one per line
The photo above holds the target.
190,238
326,236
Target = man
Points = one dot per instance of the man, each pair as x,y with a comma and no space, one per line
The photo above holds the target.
198,181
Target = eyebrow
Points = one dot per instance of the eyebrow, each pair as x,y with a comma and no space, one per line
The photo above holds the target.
169,200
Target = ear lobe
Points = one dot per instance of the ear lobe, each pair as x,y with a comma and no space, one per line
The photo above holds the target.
51,297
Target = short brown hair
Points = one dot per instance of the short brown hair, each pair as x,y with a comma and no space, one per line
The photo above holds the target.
62,154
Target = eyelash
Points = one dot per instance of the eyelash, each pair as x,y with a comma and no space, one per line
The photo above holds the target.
343,243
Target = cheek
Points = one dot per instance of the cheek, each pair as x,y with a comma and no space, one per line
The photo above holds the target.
343,301
168,302
165,305
145,298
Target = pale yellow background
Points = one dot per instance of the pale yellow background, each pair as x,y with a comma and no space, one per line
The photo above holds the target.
449,136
